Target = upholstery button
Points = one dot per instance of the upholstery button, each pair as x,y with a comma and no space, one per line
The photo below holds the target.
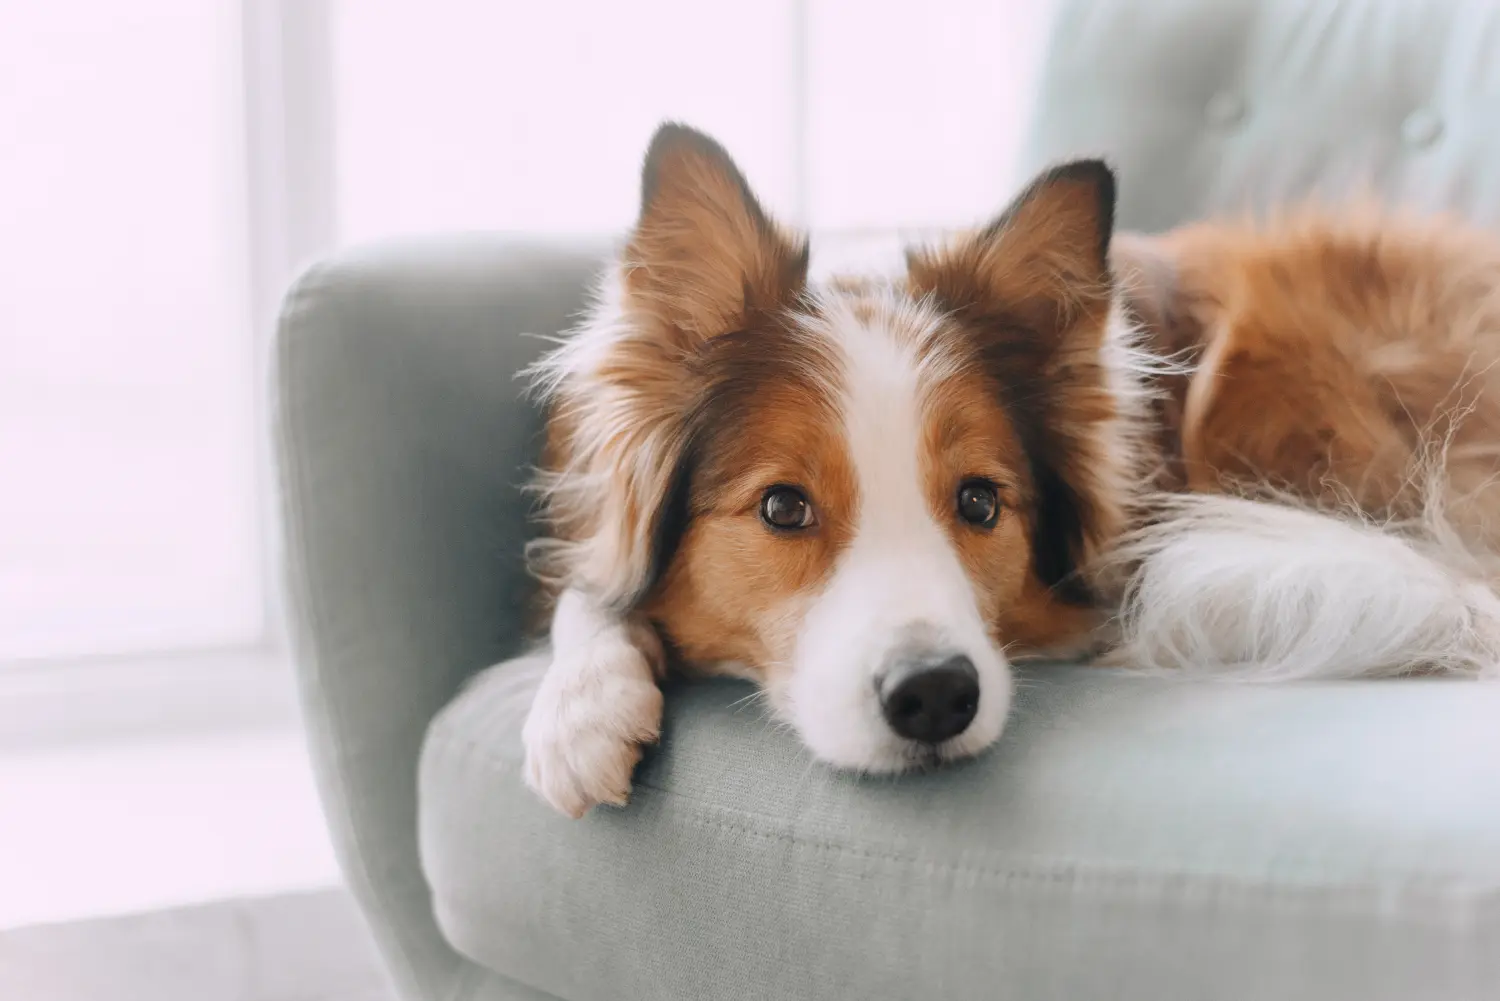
1422,128
1226,109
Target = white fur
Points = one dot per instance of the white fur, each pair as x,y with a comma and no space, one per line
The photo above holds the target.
1250,590
583,350
899,582
617,455
597,703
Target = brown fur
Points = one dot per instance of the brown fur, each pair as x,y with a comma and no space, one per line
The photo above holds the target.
1336,353
730,587
972,433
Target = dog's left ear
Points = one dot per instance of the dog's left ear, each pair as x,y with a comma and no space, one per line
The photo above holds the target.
1033,290
1042,264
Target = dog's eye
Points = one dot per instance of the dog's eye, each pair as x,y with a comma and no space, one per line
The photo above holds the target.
978,503
786,508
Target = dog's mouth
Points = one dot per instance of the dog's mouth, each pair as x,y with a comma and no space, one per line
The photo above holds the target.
926,759
919,757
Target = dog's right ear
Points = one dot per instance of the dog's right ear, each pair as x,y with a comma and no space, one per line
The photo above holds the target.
703,260
705,257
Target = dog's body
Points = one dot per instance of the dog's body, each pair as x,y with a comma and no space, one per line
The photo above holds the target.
1342,364
1328,351
866,496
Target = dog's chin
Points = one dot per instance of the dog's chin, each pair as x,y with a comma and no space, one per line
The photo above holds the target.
913,756
903,756
870,748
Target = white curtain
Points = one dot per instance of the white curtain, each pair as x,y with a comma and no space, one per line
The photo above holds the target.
165,165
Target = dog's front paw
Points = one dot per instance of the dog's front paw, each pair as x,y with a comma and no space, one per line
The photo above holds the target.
587,725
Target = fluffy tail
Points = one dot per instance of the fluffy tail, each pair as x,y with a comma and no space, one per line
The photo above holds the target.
1267,591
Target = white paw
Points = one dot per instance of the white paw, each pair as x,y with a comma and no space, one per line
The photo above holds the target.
584,734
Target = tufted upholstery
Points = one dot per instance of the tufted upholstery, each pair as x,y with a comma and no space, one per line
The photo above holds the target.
1222,105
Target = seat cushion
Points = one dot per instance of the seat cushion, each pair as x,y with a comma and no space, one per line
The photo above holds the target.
1128,838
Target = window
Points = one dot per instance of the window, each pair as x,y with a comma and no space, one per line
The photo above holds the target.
128,517
847,115
165,167
168,162
533,118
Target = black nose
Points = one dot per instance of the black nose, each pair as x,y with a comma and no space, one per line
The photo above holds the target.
933,701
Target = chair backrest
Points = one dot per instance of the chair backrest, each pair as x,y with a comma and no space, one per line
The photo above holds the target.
1212,106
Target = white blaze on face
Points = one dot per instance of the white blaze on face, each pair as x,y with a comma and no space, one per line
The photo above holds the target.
899,589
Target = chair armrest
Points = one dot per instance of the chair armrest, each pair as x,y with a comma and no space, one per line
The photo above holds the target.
401,441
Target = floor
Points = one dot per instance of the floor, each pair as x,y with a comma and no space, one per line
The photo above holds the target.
172,864
132,826
241,950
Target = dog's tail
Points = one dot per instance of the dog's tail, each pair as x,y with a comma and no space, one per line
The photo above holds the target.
1264,591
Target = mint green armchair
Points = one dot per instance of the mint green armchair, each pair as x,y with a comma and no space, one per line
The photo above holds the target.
1128,839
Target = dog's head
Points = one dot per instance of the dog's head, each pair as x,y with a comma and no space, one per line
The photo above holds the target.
860,494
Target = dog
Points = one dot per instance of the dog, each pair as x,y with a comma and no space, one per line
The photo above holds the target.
1256,450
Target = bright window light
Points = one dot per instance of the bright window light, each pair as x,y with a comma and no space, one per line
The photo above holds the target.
128,513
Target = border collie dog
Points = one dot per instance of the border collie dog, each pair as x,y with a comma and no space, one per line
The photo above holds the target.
1257,450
